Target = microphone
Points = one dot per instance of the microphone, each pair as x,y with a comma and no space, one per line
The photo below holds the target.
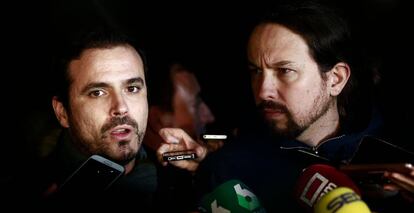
231,196
316,181
341,200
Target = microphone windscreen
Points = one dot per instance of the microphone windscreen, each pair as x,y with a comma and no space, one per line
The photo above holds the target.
341,200
317,180
231,196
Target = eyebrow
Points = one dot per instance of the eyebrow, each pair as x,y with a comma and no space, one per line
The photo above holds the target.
138,80
281,63
276,64
93,85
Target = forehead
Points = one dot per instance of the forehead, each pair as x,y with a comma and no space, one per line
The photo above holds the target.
270,38
106,64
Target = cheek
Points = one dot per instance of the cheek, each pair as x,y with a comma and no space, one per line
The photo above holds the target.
182,116
139,111
88,122
183,111
89,114
299,101
307,101
255,88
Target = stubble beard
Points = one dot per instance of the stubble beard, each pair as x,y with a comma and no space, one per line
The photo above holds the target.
294,127
123,153
109,149
125,148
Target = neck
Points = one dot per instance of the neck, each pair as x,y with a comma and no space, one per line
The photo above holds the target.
323,128
129,166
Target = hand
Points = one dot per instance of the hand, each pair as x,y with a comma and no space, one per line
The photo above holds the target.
178,140
401,182
214,145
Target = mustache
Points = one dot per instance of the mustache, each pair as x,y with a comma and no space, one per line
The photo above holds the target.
271,105
116,121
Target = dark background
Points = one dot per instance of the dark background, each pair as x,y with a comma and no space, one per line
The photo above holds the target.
211,34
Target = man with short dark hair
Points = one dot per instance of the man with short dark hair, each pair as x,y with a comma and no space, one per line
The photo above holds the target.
101,103
302,72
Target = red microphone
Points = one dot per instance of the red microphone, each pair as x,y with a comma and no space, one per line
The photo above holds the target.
317,180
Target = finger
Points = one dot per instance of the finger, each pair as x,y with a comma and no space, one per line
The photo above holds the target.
166,147
403,181
161,150
175,135
201,152
189,165
391,187
171,135
185,143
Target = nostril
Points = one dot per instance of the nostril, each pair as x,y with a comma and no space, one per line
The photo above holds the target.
119,113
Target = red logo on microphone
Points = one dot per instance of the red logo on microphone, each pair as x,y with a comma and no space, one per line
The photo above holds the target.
316,187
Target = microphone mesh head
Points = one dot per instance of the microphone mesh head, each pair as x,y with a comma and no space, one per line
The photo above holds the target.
341,200
231,196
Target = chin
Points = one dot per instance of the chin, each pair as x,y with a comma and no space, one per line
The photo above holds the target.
281,130
277,126
122,154
124,158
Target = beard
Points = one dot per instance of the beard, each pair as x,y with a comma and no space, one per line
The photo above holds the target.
292,130
123,153
128,154
296,125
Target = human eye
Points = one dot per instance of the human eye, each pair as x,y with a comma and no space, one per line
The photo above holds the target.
96,93
287,74
133,89
254,70
286,71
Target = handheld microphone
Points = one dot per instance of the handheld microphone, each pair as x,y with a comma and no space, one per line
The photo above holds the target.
316,181
231,196
341,200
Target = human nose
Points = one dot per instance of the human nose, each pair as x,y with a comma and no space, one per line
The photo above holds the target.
206,116
267,88
119,106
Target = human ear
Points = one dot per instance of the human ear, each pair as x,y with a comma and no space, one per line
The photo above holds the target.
60,112
338,77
